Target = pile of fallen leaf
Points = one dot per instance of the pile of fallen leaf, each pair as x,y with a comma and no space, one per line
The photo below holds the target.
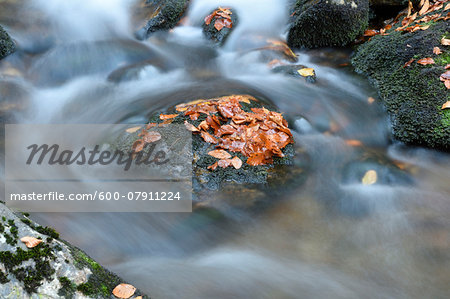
259,135
221,18
410,17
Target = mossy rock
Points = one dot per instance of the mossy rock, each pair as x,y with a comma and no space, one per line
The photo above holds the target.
164,15
327,23
219,36
52,269
412,95
7,46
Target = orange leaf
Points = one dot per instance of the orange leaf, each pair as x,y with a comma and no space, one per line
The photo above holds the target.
151,136
371,32
445,76
408,63
191,127
167,116
220,154
124,291
445,42
353,142
426,61
236,162
209,138
447,84
138,146
256,159
31,242
446,105
424,8
447,66
437,51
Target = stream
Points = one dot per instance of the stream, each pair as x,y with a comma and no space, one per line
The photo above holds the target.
329,236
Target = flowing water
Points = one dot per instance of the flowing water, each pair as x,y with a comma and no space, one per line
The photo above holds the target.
327,237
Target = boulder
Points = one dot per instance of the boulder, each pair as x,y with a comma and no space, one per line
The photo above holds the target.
51,269
327,23
164,15
218,25
413,95
7,46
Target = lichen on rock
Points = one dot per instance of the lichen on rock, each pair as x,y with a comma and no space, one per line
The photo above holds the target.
7,46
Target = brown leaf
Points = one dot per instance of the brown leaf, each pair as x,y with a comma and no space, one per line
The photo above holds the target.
31,242
256,159
426,61
445,42
214,166
437,51
424,8
208,137
446,105
446,75
220,154
236,162
167,116
132,130
408,63
447,7
371,32
151,136
138,146
353,142
191,127
447,84
371,100
124,291
447,66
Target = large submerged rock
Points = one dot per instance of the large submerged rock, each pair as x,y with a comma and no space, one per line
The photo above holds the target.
219,24
414,95
52,269
324,23
7,46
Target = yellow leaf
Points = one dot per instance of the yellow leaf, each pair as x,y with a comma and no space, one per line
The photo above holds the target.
370,177
446,105
132,130
306,72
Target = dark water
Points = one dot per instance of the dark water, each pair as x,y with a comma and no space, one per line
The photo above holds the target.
329,236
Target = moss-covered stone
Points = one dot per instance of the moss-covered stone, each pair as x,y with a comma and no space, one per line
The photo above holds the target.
324,23
7,46
412,95
166,15
220,36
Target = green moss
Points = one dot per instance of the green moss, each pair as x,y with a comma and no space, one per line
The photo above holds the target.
3,277
6,44
87,289
443,59
26,221
68,287
47,231
31,277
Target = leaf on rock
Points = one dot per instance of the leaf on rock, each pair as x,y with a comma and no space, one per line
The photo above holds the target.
151,136
220,154
236,162
424,8
445,42
132,130
371,32
138,146
447,84
306,72
446,105
256,159
167,116
426,61
31,242
191,127
124,291
208,137
445,76
370,177
437,50
408,63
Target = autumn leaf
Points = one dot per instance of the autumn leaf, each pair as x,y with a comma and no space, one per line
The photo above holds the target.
447,7
124,291
167,116
424,8
408,63
353,142
306,72
371,32
236,162
447,66
447,84
30,242
256,159
191,127
370,178
132,130
220,154
370,100
208,137
446,105
437,51
151,136
138,146
445,76
445,42
426,61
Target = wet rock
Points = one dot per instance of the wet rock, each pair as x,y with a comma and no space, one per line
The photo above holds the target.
87,58
164,15
53,269
7,46
296,72
412,95
219,24
14,98
326,23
